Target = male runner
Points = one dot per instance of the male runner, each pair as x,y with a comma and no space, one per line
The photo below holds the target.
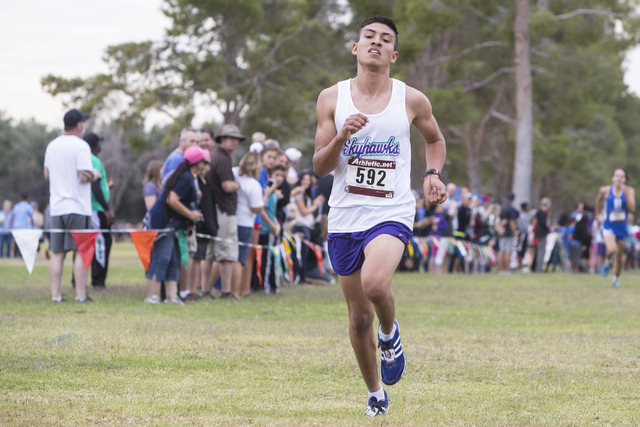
363,134
619,199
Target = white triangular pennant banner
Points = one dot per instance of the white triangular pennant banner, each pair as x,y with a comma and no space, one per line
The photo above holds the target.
27,241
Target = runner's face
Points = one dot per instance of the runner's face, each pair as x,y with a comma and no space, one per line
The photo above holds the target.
619,178
375,45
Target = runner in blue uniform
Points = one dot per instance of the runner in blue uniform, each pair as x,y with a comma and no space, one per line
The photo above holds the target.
619,199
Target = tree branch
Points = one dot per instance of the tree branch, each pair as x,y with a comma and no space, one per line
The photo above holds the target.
464,52
588,12
488,80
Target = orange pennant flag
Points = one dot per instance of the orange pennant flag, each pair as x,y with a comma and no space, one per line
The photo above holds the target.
86,243
259,263
143,240
317,251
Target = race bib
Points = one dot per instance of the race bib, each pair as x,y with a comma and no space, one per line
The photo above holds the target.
617,216
374,178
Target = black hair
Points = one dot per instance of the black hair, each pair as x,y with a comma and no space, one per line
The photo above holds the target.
564,220
171,181
211,133
382,20
277,167
24,196
524,205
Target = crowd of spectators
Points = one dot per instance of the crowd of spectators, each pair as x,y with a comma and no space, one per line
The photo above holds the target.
261,225
254,227
523,240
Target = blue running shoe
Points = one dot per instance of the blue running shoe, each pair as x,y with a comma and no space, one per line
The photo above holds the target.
393,361
376,407
604,270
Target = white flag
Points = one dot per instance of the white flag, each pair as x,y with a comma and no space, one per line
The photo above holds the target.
27,241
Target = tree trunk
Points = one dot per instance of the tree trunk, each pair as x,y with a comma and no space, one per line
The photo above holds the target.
524,105
473,159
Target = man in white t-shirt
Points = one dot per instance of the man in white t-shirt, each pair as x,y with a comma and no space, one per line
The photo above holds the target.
69,170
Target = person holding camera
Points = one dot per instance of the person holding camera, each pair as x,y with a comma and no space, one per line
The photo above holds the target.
270,232
174,209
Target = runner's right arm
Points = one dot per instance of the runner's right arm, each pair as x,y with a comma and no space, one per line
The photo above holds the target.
329,141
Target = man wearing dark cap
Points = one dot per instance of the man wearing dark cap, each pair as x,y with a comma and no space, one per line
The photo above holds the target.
101,216
506,240
69,170
225,187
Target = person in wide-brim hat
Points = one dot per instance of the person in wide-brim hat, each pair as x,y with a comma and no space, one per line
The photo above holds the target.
230,131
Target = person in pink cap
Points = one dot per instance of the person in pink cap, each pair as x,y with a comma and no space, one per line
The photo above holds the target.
176,210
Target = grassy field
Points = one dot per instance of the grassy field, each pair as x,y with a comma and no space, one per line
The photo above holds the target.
549,349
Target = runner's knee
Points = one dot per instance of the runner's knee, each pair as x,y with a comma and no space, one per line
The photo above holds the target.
360,321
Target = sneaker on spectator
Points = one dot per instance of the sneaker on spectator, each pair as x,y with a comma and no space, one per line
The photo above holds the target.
227,295
175,300
86,299
375,407
393,362
153,299
59,299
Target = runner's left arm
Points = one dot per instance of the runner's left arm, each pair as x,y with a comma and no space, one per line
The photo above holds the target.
631,198
421,115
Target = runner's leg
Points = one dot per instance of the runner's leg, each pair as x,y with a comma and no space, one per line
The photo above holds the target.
381,258
610,243
363,339
620,256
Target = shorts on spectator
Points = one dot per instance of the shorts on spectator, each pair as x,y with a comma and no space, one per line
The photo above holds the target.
601,249
165,258
192,242
505,244
204,249
244,236
63,242
227,248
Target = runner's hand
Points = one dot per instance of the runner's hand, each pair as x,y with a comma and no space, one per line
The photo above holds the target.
353,124
434,190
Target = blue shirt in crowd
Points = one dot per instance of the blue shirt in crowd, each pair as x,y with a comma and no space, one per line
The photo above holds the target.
22,212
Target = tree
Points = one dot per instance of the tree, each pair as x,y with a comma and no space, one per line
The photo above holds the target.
259,63
524,104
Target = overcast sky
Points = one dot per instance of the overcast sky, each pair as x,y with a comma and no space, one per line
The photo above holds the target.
68,38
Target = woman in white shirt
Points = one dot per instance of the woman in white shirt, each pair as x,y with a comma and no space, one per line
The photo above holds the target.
304,220
251,201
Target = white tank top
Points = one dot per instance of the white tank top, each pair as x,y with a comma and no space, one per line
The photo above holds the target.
372,182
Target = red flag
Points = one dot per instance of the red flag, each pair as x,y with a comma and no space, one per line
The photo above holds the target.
143,240
86,243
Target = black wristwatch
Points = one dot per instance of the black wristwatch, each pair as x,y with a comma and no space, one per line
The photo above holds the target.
432,172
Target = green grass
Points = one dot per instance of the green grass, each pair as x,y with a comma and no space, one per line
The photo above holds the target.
549,349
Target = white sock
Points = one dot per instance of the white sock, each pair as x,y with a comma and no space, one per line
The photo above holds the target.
386,337
379,395
184,294
58,299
